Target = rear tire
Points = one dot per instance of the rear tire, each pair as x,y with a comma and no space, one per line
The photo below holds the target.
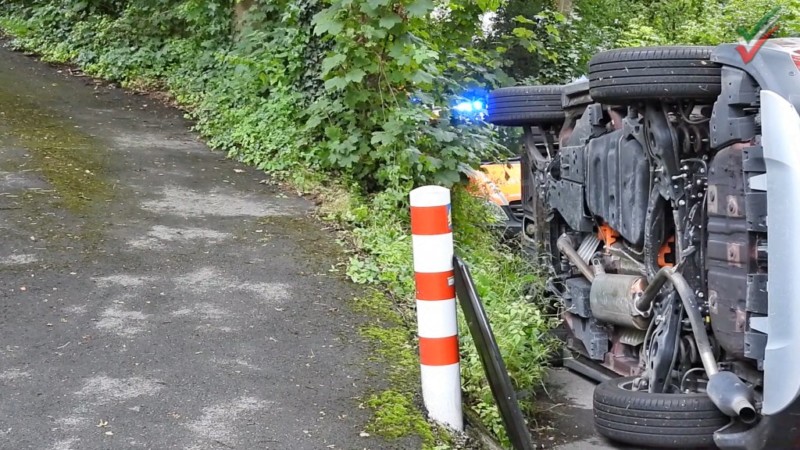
654,73
521,106
655,420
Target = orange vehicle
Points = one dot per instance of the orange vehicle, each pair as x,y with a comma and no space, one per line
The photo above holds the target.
500,184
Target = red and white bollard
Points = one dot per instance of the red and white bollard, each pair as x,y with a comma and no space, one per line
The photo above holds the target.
432,243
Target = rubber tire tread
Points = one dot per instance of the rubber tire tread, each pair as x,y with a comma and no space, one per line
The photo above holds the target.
654,73
658,63
576,95
646,71
667,421
660,430
538,103
655,420
669,80
517,91
525,106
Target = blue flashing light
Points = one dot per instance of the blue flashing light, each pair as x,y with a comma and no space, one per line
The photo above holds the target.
464,107
470,108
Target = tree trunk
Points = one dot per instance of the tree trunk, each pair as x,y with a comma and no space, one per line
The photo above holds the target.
240,14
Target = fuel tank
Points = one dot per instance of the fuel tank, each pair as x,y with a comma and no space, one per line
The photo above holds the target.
618,183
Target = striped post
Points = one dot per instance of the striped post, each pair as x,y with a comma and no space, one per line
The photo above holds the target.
432,242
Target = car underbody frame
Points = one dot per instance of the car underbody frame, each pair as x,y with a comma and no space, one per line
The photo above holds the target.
664,204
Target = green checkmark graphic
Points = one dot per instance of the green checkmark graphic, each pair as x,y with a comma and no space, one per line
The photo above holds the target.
748,35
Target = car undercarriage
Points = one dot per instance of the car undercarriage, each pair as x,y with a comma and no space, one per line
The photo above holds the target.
660,194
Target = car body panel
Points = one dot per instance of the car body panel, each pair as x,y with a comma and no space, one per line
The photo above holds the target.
774,67
781,135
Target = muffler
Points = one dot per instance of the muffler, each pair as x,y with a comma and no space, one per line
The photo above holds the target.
732,396
613,298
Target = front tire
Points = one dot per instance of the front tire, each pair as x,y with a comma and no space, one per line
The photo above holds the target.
521,106
631,75
655,420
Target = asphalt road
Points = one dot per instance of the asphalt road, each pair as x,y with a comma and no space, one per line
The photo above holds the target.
154,295
566,418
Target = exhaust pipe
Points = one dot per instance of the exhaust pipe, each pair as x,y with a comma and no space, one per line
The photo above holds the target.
732,396
567,248
727,391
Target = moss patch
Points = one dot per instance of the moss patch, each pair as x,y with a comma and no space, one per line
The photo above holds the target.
396,410
397,416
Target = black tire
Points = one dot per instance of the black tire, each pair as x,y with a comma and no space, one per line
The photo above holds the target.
628,75
655,420
520,106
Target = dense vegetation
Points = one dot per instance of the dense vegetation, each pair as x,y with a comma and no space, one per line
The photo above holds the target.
351,98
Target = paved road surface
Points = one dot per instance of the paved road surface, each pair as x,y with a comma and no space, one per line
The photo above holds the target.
154,295
567,422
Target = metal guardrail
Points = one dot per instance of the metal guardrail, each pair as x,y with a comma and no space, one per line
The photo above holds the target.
492,360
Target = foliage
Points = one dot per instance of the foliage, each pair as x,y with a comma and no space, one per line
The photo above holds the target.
506,284
595,25
703,23
515,15
357,90
383,55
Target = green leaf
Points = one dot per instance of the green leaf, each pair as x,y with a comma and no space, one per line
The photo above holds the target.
332,62
488,5
443,135
419,8
355,76
382,137
335,84
421,76
80,6
375,4
325,22
524,20
390,20
523,33
448,177
371,7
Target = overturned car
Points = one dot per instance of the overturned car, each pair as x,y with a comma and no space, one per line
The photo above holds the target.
662,194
